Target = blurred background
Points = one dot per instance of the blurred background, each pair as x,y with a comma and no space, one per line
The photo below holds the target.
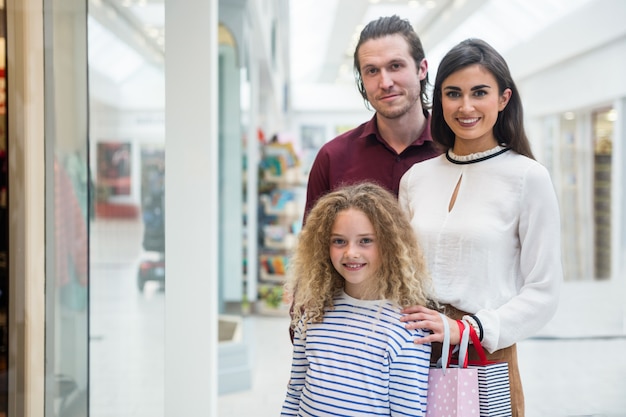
271,81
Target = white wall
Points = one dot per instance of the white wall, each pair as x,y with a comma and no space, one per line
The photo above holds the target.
327,106
578,65
581,82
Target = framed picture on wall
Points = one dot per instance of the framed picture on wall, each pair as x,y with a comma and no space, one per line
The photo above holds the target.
113,167
339,129
312,137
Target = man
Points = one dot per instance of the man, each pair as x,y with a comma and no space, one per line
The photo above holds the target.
391,74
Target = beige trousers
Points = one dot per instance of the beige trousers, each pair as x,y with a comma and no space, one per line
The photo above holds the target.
508,355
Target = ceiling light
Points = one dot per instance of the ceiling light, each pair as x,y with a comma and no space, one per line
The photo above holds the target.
152,31
611,115
458,3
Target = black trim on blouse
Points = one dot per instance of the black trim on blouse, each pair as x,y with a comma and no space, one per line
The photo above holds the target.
472,161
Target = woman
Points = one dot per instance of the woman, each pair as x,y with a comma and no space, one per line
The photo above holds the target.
485,212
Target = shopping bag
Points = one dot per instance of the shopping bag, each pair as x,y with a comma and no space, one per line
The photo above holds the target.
453,390
453,393
494,390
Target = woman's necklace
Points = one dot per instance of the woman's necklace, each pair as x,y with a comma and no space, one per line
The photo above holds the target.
475,157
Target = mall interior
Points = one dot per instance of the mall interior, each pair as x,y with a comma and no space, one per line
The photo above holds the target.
114,150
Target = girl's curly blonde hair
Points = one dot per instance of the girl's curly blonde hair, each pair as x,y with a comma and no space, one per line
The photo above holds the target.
314,282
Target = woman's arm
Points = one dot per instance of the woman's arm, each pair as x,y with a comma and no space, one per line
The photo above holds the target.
540,267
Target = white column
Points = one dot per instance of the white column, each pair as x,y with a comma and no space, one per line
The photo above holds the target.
191,181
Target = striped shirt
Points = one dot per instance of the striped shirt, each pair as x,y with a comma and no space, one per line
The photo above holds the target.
359,361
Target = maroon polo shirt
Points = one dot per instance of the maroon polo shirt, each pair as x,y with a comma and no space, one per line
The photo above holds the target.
361,154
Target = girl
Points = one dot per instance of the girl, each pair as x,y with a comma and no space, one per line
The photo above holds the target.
357,263
485,212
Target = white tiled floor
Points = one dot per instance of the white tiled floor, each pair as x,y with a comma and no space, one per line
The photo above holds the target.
576,366
562,377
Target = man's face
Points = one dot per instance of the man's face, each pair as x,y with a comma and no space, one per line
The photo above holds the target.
390,77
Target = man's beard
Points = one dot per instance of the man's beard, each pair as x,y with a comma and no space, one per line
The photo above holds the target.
413,98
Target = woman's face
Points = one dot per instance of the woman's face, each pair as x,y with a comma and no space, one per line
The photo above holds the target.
354,251
471,103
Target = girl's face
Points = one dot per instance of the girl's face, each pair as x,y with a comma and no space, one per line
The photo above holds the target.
354,251
390,78
471,103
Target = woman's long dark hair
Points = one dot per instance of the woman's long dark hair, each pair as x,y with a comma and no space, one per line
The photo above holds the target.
509,127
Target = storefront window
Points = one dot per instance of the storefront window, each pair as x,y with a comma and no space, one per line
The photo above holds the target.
67,210
574,162
127,233
582,169
603,122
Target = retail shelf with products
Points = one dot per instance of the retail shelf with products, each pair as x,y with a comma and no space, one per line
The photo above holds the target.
281,204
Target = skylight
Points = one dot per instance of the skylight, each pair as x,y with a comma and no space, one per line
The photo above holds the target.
109,55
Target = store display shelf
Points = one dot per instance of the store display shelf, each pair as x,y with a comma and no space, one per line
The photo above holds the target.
272,278
290,177
285,243
272,300
267,310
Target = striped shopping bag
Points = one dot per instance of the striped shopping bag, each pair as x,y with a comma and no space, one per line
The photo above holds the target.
494,390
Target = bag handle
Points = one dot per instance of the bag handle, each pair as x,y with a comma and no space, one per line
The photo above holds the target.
482,356
444,361
467,332
464,329
446,349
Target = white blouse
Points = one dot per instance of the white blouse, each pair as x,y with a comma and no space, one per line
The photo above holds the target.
496,253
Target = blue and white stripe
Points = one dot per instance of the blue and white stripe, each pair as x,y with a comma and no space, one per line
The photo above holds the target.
359,361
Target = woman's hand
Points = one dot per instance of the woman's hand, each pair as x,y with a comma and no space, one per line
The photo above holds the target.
419,317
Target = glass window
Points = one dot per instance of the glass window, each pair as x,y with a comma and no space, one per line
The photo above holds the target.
603,125
574,161
582,168
127,229
67,210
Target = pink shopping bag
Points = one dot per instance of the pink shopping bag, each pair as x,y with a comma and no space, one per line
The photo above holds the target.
453,390
453,394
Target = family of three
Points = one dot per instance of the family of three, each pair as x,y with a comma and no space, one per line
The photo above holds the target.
413,218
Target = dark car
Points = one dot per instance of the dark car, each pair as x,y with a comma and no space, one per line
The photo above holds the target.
151,270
